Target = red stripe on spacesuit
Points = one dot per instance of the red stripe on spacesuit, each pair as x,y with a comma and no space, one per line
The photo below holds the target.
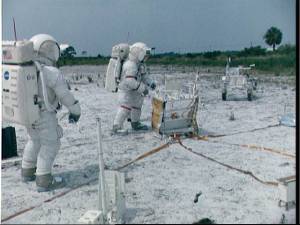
125,107
131,77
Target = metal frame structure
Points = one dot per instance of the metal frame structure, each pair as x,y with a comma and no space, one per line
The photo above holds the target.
111,193
287,192
238,78
173,111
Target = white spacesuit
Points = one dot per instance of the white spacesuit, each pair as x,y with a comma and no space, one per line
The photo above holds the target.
44,135
133,87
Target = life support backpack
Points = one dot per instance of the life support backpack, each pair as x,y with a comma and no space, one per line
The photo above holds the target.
19,82
114,69
20,101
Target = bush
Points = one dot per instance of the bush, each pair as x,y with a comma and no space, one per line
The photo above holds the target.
286,49
211,55
190,55
253,51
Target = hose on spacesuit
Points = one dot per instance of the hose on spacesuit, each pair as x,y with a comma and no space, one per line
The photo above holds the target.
48,106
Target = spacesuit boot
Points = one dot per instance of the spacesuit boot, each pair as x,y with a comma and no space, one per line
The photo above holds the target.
48,182
136,115
28,174
139,126
121,116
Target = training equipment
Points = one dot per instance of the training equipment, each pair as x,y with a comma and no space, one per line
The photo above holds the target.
287,191
174,112
114,69
111,193
19,83
288,119
91,217
238,78
9,142
175,117
115,191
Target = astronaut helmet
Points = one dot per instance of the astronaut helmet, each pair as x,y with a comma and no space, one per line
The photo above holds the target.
139,51
46,49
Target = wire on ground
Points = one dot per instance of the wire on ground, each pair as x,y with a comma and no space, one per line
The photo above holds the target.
226,165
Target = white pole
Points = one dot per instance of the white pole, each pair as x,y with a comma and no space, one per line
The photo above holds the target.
101,184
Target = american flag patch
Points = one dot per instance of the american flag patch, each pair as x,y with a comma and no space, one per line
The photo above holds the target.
6,54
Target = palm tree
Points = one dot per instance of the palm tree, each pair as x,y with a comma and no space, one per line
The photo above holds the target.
273,37
69,52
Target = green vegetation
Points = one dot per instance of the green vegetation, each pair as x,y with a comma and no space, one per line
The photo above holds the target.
279,62
69,52
72,61
273,37
282,61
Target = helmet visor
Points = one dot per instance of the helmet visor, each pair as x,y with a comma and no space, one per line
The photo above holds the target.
50,50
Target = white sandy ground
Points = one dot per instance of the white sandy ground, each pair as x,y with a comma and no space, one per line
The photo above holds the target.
162,187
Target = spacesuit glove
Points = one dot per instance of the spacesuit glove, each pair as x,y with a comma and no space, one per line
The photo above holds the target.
75,112
153,86
145,92
73,118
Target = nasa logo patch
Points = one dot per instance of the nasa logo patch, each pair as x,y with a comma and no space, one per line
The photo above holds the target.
6,75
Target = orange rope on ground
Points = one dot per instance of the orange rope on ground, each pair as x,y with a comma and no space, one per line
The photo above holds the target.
246,131
151,152
228,166
261,148
47,200
270,150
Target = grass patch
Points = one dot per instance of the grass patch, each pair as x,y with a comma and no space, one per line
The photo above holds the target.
280,62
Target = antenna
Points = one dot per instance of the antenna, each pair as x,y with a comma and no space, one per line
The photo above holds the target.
15,31
128,37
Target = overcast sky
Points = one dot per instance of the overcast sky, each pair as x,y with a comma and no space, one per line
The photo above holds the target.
169,25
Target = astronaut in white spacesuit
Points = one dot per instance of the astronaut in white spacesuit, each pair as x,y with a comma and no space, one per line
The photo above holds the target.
133,87
44,135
